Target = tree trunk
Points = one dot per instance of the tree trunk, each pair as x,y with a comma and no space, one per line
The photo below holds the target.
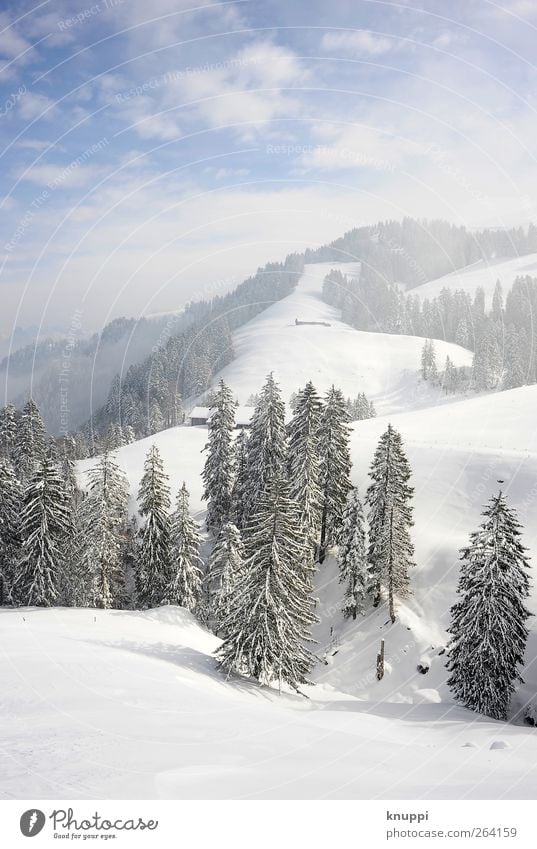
322,544
380,662
390,571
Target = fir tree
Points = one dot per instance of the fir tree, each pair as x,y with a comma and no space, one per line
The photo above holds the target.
218,471
304,463
488,624
334,468
271,611
497,303
105,515
76,588
31,444
239,494
10,540
513,362
429,370
8,431
226,564
487,365
352,557
450,377
154,552
186,575
390,519
45,529
267,445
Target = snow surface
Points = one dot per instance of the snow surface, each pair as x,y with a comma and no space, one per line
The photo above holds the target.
482,273
130,705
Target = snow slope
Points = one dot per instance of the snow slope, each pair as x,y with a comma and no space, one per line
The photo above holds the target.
484,274
113,704
384,367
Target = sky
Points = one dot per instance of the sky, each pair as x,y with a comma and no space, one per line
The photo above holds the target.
157,152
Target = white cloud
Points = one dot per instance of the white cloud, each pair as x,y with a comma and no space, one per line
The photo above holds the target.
247,88
34,106
11,42
359,41
55,176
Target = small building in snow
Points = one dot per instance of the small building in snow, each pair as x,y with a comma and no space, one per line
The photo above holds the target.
201,415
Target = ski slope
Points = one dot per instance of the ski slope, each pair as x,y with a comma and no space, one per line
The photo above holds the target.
117,704
124,704
383,366
481,274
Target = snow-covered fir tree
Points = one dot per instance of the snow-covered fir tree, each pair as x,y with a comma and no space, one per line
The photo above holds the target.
497,303
8,431
488,624
225,566
10,539
154,555
32,441
267,445
105,515
45,529
185,586
450,378
487,364
335,467
239,493
514,372
429,369
76,587
389,498
219,466
352,556
271,611
304,464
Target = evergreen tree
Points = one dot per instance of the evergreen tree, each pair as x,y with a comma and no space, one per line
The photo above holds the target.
390,519
334,469
497,304
267,445
154,552
186,575
8,431
513,362
10,540
429,370
45,529
105,515
218,471
352,557
304,463
226,564
271,611
487,365
450,379
239,494
76,588
488,624
31,444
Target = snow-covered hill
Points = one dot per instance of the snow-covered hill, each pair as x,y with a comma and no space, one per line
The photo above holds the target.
484,274
124,704
384,367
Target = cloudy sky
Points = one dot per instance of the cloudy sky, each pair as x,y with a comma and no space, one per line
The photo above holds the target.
153,152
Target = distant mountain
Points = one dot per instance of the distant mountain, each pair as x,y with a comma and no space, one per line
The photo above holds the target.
69,377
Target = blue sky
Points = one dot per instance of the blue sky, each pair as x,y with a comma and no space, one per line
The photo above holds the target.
153,152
